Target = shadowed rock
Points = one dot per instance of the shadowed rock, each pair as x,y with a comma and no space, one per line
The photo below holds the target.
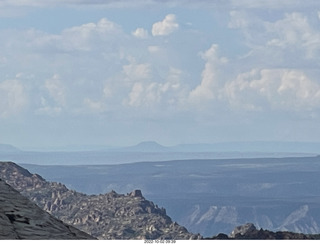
22,219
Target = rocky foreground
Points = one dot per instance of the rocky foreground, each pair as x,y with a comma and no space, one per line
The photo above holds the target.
250,232
104,216
22,219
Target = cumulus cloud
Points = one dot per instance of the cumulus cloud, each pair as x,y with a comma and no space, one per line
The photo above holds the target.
140,33
135,71
53,99
210,83
94,106
278,89
294,31
97,51
136,94
13,98
56,89
90,35
86,37
154,94
260,89
238,20
166,26
293,34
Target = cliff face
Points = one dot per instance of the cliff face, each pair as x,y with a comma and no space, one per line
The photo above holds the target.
22,219
104,216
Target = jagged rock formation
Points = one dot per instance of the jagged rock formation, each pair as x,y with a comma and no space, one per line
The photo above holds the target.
22,219
249,232
242,230
104,216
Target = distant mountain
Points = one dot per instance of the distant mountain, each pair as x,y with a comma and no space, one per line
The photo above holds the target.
236,148
146,146
223,147
22,219
104,216
6,148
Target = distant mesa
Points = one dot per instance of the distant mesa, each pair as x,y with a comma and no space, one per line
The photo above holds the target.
6,148
146,146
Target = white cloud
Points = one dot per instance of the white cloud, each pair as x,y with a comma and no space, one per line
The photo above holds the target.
89,36
210,83
49,110
53,99
278,89
56,89
136,94
94,106
140,33
136,72
166,26
238,20
276,72
86,37
157,94
294,31
292,35
13,98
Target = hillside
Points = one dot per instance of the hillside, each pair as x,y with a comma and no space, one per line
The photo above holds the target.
104,216
22,219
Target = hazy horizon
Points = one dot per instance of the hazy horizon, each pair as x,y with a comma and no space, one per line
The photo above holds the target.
117,73
230,149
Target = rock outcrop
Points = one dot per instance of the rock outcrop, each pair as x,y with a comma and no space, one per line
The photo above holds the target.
22,219
104,216
242,230
250,232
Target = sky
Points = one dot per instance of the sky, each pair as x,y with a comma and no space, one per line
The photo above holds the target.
106,72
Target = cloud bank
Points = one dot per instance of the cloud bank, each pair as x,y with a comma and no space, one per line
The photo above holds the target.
169,69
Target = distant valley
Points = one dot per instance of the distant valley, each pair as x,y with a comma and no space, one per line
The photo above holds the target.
212,196
152,151
202,187
104,216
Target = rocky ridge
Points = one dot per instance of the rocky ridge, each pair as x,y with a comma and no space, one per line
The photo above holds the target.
104,216
107,216
22,219
250,232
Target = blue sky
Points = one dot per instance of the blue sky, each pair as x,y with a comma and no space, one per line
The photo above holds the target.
121,72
